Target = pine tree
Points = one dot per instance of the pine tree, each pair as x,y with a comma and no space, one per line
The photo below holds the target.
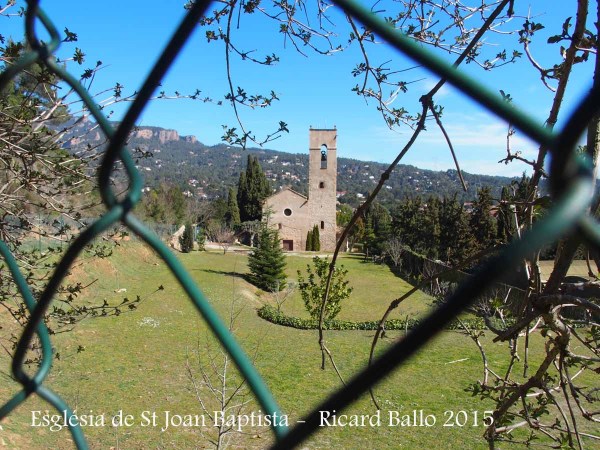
267,262
309,241
232,216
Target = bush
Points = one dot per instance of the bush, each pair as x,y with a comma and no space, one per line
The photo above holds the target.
271,314
312,288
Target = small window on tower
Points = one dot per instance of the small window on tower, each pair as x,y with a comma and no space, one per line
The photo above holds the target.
280,226
323,156
322,225
322,184
287,212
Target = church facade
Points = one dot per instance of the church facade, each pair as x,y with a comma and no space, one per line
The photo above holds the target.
292,214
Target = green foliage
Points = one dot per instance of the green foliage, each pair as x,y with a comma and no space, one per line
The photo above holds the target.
482,224
357,233
267,262
166,204
31,91
232,215
201,239
456,240
154,206
242,193
313,240
408,222
219,166
344,215
253,188
511,208
42,185
186,240
309,241
217,213
316,239
437,230
377,229
429,231
272,315
312,288
249,231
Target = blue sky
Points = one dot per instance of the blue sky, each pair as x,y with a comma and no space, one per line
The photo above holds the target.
314,91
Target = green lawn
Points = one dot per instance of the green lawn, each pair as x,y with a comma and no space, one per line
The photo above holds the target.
137,362
374,287
578,268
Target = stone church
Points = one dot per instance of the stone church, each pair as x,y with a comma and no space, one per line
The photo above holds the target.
294,214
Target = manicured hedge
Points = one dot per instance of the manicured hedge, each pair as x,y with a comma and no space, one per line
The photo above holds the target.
271,314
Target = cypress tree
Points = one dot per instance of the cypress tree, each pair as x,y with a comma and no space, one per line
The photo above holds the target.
309,241
267,262
253,188
232,216
316,239
242,196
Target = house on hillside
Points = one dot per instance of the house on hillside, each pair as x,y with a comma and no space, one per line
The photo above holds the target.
292,214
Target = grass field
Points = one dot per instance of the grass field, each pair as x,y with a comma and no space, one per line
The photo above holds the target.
137,362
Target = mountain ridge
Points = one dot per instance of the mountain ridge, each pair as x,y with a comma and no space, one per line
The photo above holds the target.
207,172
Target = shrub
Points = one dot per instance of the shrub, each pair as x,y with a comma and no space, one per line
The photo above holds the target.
271,314
312,288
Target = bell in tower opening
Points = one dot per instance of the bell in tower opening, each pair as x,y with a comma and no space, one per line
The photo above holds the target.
323,157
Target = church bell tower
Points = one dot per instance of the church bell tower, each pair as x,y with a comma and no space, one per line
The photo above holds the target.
322,184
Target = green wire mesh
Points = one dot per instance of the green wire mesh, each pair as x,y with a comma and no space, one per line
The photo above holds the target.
571,183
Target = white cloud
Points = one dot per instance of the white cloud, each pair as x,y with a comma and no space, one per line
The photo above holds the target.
483,167
429,83
479,135
479,141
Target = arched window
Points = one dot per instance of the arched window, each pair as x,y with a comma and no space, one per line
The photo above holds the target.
322,225
322,184
323,156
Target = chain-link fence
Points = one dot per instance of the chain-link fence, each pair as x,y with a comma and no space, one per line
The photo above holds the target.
571,182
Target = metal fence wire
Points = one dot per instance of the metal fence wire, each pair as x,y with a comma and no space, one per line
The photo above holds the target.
572,186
